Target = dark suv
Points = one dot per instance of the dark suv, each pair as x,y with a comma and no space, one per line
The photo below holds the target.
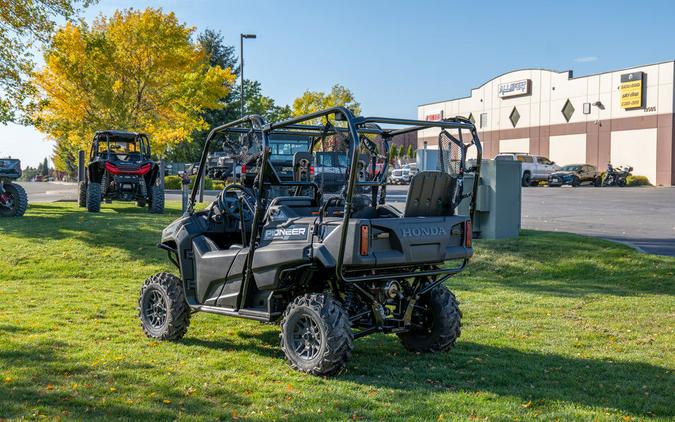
120,168
574,175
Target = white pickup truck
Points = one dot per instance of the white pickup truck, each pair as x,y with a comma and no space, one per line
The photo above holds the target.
535,168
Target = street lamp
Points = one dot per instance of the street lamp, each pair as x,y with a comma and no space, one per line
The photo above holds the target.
241,66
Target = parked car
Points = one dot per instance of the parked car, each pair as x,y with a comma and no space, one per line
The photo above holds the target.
399,176
535,168
412,169
575,175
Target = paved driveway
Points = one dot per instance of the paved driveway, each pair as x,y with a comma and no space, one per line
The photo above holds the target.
641,217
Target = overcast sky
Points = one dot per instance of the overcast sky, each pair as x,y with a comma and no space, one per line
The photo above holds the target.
395,55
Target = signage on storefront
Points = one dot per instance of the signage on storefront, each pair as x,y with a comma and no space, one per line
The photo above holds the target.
434,117
514,89
631,90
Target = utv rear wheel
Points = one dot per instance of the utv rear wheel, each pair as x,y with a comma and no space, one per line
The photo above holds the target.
93,197
15,201
156,199
316,335
164,313
438,323
82,194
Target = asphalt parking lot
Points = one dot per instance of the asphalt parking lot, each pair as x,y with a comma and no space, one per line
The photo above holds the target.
643,218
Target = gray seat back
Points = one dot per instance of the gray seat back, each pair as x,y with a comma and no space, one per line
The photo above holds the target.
430,195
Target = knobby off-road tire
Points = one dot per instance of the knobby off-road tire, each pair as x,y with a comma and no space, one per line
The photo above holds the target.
162,308
19,200
93,197
443,323
316,335
82,194
156,199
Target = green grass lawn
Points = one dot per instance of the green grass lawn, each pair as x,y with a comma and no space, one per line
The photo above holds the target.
555,326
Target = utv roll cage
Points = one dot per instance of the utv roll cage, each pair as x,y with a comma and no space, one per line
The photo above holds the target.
104,136
357,130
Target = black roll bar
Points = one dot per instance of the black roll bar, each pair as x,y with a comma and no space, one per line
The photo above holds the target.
354,127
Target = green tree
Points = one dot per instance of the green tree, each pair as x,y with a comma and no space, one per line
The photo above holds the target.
29,173
255,102
23,25
393,151
409,152
45,167
136,70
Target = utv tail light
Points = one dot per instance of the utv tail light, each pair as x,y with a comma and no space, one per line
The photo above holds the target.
113,169
311,170
243,168
364,240
467,234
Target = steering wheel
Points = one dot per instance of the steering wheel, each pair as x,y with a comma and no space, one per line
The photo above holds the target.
228,205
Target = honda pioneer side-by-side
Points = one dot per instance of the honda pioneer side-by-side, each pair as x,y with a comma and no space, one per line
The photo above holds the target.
329,267
120,168
13,198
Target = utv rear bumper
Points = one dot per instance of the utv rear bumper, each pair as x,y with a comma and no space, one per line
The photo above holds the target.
394,245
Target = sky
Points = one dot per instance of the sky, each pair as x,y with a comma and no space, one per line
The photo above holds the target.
394,55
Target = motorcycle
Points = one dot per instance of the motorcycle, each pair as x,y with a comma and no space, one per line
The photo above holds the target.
616,176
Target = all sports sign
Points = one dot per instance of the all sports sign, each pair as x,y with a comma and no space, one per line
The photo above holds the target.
514,89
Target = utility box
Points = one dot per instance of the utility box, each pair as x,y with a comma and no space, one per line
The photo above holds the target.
498,203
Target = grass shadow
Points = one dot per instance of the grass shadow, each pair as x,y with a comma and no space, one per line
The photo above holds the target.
635,388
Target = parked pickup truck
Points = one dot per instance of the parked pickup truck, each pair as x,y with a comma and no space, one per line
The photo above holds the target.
535,168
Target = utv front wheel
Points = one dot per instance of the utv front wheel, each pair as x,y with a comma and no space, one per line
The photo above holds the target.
164,313
316,335
437,323
82,194
93,197
14,201
156,199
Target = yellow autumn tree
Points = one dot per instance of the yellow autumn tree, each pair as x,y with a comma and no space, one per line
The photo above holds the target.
311,101
136,70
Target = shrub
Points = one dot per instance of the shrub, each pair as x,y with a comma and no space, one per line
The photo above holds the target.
175,182
637,181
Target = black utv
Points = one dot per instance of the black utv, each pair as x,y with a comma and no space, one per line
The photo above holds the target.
329,268
13,198
120,168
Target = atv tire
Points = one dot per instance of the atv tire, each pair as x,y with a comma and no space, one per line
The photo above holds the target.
156,199
162,308
442,323
82,194
93,197
19,200
316,335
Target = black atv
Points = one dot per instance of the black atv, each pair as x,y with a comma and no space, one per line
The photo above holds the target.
13,198
329,267
120,168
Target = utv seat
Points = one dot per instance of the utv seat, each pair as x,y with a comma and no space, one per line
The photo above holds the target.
430,195
302,206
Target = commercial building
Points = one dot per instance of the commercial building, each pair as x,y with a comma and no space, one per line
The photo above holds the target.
623,117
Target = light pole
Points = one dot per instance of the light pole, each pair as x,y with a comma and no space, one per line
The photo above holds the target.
241,67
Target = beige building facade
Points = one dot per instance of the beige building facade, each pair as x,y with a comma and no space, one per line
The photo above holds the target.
623,117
